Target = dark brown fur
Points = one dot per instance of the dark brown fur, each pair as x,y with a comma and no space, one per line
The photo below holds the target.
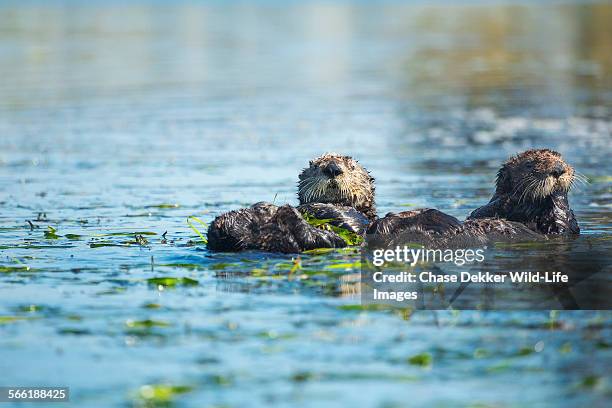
532,189
435,229
332,187
530,202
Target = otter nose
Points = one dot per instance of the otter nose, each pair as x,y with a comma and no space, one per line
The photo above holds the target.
332,170
558,170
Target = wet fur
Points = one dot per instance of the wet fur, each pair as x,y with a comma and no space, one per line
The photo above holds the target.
435,229
353,187
332,187
530,202
267,227
532,188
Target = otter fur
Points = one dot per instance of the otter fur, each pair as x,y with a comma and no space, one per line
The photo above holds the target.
333,187
530,203
532,188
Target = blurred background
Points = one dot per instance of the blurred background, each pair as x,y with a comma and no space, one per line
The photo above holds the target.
122,117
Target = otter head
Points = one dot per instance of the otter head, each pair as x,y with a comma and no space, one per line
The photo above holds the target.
534,175
337,179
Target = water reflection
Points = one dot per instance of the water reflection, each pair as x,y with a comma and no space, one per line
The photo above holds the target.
554,58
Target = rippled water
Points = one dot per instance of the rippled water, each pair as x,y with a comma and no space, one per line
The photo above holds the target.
123,119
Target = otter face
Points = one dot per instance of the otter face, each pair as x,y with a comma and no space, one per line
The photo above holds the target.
336,179
534,175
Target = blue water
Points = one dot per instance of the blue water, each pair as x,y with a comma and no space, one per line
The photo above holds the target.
130,118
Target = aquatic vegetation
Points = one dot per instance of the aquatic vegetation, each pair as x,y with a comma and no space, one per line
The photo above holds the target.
51,233
151,306
163,206
107,244
74,331
124,233
146,324
170,282
590,382
15,268
421,359
193,227
140,240
348,236
157,395
345,265
11,319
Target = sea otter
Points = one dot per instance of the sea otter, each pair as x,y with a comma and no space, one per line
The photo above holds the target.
532,188
333,187
530,203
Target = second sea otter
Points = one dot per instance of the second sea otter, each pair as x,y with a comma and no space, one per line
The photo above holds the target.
530,203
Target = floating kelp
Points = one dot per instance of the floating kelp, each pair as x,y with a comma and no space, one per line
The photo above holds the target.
113,234
16,268
12,319
154,395
151,306
146,324
170,282
345,265
196,219
190,266
51,233
422,360
348,236
163,206
107,244
74,331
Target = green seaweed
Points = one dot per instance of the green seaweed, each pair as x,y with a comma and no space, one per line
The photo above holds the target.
600,179
141,240
421,359
319,251
590,381
73,236
154,395
163,206
151,306
190,266
525,351
349,237
11,319
366,307
16,268
74,331
106,244
118,234
603,345
146,324
202,237
170,282
51,233
345,265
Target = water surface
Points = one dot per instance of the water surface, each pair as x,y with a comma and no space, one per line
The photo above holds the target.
130,118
